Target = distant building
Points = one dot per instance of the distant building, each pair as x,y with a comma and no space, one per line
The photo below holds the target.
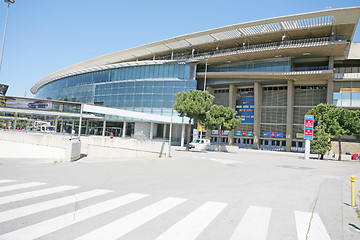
271,71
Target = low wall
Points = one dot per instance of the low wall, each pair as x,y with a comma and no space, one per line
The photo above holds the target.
224,148
93,146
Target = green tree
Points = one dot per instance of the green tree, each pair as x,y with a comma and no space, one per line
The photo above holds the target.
336,121
321,143
221,118
194,105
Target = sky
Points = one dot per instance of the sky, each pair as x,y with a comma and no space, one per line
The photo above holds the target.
44,36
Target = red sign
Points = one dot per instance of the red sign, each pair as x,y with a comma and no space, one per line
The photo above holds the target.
272,134
244,133
309,123
308,131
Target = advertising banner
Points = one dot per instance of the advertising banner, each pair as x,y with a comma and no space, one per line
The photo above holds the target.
245,106
308,126
195,134
28,104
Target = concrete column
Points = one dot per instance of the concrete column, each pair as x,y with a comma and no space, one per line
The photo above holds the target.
257,113
73,125
182,134
289,115
151,130
15,120
232,104
124,129
56,122
87,127
62,126
164,133
330,91
104,128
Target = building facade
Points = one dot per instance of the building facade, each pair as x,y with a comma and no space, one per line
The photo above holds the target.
271,71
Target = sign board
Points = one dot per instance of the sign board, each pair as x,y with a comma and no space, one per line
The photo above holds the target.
245,106
195,134
28,104
3,89
199,128
300,135
308,126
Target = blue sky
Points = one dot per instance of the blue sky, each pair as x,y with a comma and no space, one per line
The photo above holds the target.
44,36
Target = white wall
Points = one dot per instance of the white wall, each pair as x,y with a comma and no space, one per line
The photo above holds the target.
354,52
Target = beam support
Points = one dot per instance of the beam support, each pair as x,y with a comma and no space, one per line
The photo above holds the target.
257,113
289,115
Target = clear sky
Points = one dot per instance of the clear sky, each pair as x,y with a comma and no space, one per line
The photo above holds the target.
44,36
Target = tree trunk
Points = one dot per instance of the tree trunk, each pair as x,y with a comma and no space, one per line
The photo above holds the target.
188,136
322,156
339,149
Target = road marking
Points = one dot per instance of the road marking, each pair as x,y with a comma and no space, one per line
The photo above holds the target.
193,224
43,206
254,224
224,161
34,194
20,186
128,223
40,229
317,228
6,180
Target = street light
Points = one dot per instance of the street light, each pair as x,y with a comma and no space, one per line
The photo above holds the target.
206,64
9,2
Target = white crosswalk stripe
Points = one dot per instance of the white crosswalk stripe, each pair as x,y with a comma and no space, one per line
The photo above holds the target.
254,224
317,230
54,224
6,180
193,224
34,194
20,186
126,224
43,206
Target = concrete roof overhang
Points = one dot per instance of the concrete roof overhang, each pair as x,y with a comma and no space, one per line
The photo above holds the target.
341,22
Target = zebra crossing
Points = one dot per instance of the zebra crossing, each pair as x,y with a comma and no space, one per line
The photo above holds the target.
254,224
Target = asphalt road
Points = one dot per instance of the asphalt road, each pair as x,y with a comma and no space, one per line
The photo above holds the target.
193,195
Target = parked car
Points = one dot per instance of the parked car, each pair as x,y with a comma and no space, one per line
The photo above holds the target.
199,143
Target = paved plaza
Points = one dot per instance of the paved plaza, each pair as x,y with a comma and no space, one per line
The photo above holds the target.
192,195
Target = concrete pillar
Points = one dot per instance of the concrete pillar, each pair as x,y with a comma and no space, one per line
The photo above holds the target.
257,113
73,125
15,120
87,127
232,104
164,133
151,130
104,128
330,91
62,126
289,115
182,134
124,129
56,122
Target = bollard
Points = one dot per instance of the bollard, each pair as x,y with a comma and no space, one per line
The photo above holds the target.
352,191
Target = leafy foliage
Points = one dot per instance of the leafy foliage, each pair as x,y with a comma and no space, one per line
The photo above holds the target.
321,142
221,118
194,105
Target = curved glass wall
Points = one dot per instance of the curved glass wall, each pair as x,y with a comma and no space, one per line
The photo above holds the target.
146,88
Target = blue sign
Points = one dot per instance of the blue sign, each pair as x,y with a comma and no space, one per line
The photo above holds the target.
266,134
279,134
245,106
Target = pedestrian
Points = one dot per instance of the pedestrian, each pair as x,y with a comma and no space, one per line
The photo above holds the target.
73,132
64,131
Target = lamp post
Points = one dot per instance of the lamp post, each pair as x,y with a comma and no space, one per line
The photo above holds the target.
9,2
206,64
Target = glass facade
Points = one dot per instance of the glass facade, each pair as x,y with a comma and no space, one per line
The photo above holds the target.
144,88
346,94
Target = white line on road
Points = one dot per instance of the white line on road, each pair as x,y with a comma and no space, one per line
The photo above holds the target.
254,224
34,194
43,206
40,229
6,180
193,224
317,228
128,223
20,186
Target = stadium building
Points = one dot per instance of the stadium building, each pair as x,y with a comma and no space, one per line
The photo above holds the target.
271,71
